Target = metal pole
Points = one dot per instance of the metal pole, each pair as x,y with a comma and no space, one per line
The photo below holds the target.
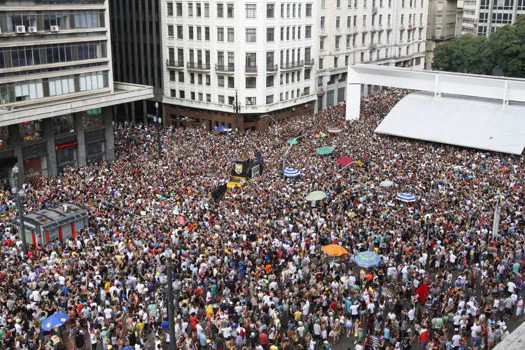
171,314
236,112
20,213
158,128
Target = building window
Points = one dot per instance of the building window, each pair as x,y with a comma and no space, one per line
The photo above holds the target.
270,11
270,34
221,81
180,34
179,9
337,22
308,32
208,97
337,41
230,10
251,10
231,35
208,80
181,77
172,75
182,94
231,82
307,73
171,31
269,81
190,9
251,101
221,99
269,99
308,10
251,35
206,10
170,8
192,95
251,83
190,32
220,10
320,63
207,33
306,91
322,22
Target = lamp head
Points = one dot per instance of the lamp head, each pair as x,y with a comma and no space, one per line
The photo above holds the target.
15,169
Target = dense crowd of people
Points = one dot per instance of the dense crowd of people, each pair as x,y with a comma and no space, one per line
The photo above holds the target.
249,272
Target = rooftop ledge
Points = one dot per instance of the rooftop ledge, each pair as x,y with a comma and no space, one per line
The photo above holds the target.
122,93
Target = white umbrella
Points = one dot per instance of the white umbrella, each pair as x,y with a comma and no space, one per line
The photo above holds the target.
406,197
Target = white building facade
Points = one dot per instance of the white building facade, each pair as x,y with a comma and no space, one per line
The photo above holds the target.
386,32
484,17
263,52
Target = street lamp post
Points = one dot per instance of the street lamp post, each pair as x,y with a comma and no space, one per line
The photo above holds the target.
158,122
171,313
275,121
19,193
236,108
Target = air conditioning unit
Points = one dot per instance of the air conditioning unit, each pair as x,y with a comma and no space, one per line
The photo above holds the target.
54,28
33,29
20,29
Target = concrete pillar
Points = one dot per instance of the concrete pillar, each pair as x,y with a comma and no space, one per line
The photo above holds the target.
110,139
15,139
49,134
132,104
79,128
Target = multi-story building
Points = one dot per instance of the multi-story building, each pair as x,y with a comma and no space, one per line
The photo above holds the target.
483,17
441,26
56,86
137,51
387,32
262,52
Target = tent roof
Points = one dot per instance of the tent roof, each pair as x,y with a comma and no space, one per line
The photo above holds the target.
51,218
461,121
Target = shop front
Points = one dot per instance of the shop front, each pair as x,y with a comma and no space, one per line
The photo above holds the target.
67,155
35,161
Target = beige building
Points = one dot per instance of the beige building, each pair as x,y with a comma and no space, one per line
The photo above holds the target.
56,86
441,26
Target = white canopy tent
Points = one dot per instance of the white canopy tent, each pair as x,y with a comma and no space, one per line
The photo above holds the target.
461,121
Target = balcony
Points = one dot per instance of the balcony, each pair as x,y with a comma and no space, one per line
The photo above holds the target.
293,65
198,66
309,62
221,68
374,10
372,46
272,68
172,64
251,69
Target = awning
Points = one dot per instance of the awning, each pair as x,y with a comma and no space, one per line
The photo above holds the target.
462,121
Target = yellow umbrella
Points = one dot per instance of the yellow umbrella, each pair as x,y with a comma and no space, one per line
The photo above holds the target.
334,250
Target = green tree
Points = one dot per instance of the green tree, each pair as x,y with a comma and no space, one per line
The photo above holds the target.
465,54
503,51
506,49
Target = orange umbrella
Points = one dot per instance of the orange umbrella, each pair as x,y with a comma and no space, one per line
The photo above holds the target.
334,250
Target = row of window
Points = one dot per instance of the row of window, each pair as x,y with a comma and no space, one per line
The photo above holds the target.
251,82
352,20
374,3
203,33
49,87
249,101
49,54
287,57
44,20
377,54
203,10
502,4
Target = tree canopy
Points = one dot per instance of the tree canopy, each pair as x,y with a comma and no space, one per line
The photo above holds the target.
503,51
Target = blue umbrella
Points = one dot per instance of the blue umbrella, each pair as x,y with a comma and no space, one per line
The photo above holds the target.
55,320
222,128
367,259
165,325
406,197
291,172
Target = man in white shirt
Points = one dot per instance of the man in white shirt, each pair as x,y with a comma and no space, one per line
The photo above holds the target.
456,340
